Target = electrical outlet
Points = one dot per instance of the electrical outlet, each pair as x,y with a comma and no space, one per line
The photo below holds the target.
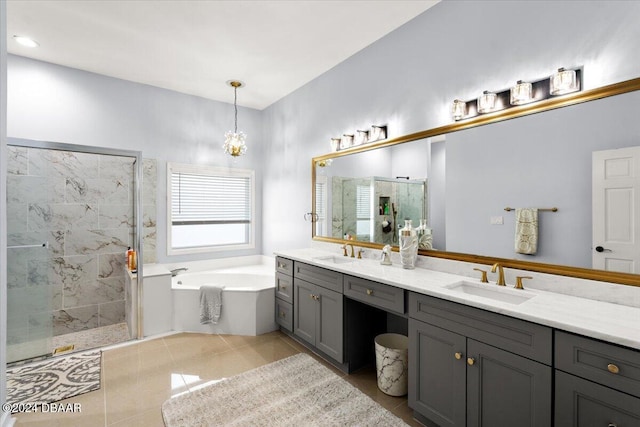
496,220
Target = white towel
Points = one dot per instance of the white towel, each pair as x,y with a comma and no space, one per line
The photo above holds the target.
210,303
526,231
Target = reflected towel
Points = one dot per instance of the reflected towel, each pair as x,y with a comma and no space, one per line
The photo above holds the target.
526,231
210,303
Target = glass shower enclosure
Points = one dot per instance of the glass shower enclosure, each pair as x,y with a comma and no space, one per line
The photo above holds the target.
72,212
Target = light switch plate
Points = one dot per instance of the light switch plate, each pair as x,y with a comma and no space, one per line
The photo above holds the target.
497,220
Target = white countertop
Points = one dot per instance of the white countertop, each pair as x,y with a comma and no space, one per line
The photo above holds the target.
615,323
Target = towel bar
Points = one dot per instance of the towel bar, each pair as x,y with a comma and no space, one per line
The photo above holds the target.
41,245
508,209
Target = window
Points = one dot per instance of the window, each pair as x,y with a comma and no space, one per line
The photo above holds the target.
321,205
209,208
363,212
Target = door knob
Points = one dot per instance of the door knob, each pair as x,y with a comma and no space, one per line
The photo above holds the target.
601,249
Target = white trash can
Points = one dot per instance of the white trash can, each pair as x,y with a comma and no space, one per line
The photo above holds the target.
392,353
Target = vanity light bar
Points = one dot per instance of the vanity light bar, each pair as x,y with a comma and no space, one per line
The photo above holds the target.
562,82
376,133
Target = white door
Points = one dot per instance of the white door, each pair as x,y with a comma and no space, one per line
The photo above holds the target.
616,210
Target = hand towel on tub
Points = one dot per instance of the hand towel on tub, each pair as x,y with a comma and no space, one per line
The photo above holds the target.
210,303
526,231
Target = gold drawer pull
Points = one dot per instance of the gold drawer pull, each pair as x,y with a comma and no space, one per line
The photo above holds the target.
283,287
471,361
282,314
369,291
281,265
612,425
458,355
613,368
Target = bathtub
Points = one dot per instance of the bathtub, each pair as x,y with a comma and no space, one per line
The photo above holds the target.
248,300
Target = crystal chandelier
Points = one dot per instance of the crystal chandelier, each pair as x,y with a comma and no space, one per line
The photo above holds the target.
234,141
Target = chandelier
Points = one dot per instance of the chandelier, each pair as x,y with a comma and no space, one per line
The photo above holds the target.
234,141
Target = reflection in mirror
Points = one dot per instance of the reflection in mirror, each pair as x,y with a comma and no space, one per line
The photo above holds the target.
574,158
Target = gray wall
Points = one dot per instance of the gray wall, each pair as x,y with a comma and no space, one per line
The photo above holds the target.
53,103
409,78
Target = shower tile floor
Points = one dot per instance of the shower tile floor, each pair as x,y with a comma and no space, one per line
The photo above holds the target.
83,340
138,377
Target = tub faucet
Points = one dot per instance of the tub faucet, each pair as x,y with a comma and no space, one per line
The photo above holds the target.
175,271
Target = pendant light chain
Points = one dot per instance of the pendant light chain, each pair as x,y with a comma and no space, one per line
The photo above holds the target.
235,106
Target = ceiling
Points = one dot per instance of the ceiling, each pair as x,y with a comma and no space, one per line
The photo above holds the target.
195,47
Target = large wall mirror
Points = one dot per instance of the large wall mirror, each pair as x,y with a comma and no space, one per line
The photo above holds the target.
579,154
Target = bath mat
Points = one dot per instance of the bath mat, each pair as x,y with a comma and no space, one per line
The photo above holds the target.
54,379
296,391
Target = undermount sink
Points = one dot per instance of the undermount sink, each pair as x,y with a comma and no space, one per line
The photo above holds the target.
492,291
333,259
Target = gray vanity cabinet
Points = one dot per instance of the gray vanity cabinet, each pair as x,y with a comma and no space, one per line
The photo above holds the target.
284,293
597,383
469,367
318,311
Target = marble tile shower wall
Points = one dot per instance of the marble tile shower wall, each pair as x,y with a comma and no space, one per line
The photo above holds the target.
81,204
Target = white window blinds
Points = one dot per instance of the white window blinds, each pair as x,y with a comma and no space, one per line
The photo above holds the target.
320,200
210,199
363,202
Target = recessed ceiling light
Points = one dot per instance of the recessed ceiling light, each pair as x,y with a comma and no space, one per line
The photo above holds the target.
26,41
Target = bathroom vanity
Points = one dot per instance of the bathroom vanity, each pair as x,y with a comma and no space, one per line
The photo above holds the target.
478,355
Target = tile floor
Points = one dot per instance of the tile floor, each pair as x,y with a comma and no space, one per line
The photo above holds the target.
138,378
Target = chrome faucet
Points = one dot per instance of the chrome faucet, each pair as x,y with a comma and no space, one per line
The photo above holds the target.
385,257
500,281
175,271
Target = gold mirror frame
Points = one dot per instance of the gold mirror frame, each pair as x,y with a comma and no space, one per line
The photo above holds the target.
511,113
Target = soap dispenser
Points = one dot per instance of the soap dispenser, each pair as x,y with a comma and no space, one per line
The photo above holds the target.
385,257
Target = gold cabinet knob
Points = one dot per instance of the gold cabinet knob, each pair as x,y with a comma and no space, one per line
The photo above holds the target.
369,291
613,368
458,355
282,314
281,265
283,287
470,361
612,425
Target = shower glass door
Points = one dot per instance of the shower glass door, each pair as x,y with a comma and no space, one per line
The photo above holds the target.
71,215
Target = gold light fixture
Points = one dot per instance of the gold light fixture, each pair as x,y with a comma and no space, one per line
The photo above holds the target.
487,102
521,93
564,81
234,143
335,144
458,109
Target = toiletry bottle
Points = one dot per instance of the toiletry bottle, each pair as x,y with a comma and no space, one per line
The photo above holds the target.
134,262
129,257
408,245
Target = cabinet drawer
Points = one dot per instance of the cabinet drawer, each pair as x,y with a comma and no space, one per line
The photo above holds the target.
284,287
378,294
517,336
586,404
607,364
284,266
318,276
284,314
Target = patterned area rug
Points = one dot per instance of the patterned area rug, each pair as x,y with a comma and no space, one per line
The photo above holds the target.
54,379
296,391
